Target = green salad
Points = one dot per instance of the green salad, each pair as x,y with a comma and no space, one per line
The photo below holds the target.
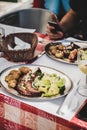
49,84
84,54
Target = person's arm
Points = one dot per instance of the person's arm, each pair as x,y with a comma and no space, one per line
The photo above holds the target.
69,21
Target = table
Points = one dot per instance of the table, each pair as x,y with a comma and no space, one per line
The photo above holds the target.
7,7
21,114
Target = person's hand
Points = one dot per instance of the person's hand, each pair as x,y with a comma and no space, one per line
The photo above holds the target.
53,36
49,30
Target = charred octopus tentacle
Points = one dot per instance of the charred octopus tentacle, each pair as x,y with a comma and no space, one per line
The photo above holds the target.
24,85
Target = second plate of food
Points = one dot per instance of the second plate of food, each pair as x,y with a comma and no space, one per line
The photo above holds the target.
65,52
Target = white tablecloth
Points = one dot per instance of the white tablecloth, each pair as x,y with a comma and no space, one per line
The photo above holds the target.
52,106
8,7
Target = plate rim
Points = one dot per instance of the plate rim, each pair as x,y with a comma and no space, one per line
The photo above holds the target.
57,59
35,98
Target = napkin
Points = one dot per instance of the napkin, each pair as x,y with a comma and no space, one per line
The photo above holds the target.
71,104
19,44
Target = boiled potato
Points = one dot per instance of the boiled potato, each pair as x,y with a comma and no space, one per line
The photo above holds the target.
12,83
24,70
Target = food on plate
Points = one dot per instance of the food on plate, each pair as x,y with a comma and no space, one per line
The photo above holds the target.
84,56
59,54
49,84
35,83
64,52
14,75
24,85
12,83
73,54
24,69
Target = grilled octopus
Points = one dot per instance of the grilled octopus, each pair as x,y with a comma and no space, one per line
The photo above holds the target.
24,86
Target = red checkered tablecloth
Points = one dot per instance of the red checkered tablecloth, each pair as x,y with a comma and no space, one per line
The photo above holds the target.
17,115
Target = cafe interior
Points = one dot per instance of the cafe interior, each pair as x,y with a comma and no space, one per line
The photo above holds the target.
41,88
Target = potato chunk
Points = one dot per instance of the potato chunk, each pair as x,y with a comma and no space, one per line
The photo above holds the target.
12,83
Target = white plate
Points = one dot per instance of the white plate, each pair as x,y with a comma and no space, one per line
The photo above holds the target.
68,84
65,60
